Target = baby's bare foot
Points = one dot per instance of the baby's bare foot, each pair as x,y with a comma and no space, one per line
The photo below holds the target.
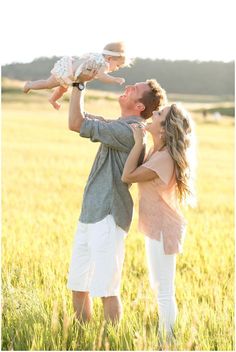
55,104
26,88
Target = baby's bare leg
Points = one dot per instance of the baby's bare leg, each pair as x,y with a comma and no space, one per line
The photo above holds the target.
49,83
57,94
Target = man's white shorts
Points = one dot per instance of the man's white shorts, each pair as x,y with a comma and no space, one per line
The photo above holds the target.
97,258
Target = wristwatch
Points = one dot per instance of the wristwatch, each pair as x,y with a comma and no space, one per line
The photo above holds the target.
79,85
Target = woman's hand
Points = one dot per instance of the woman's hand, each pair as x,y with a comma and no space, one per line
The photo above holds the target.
139,133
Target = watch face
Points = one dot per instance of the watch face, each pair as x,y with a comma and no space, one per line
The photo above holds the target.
81,86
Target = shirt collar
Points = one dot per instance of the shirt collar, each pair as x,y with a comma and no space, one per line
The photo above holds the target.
132,119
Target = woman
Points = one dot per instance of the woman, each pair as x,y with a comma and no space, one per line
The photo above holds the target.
164,182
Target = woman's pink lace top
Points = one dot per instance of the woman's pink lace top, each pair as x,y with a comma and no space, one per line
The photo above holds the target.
159,212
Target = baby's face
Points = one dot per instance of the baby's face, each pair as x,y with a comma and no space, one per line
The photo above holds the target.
115,63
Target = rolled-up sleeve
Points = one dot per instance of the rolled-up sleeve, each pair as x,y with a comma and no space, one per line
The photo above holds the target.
116,134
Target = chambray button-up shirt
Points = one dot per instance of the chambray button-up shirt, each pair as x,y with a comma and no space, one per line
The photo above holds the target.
105,193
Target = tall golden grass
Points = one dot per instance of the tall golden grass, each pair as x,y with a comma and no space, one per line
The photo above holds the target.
45,167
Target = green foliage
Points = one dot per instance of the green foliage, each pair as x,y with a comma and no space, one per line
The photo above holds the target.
185,77
45,168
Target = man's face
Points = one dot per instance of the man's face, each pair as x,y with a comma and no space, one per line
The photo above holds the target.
133,94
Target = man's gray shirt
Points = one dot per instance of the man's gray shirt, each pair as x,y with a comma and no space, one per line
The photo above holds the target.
105,193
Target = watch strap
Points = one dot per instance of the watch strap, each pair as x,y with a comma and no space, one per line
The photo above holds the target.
78,85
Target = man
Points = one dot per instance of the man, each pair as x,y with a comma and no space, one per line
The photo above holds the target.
98,252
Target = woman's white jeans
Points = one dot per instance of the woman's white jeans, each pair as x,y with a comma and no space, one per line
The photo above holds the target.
162,269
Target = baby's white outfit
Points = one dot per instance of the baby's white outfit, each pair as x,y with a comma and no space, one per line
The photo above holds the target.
63,68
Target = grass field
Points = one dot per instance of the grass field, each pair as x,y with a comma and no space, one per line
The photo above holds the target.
45,167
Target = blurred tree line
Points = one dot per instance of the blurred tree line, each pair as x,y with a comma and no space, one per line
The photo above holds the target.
187,77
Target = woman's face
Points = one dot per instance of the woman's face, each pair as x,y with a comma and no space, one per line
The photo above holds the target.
158,118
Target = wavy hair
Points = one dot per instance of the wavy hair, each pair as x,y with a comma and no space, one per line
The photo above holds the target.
180,142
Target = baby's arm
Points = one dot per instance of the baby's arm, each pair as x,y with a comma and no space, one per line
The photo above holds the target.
105,77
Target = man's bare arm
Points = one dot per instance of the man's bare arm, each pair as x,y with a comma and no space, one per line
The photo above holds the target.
76,115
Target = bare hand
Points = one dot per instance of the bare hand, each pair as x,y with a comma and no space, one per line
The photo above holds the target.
87,75
139,133
120,80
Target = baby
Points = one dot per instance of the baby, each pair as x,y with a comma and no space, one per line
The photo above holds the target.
67,69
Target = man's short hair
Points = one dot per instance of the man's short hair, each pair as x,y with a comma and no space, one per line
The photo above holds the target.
153,99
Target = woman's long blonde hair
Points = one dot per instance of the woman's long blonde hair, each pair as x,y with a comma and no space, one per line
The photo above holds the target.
180,142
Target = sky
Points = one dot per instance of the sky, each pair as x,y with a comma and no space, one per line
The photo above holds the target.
164,29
